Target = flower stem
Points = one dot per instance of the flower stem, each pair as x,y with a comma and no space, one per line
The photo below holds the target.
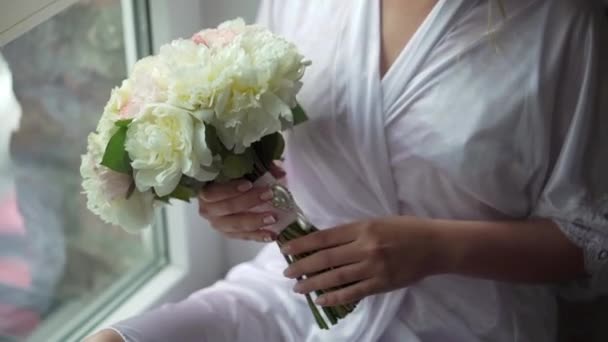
294,231
333,313
315,312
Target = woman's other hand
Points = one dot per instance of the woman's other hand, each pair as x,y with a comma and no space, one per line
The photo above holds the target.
367,257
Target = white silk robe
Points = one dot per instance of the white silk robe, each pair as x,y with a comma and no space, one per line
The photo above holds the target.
466,124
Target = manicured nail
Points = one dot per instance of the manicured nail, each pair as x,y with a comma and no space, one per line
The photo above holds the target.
244,186
269,219
266,196
288,273
286,250
321,301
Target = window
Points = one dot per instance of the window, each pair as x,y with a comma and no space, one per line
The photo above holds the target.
61,268
64,274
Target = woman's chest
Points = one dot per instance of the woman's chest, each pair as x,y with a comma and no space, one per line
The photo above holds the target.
457,126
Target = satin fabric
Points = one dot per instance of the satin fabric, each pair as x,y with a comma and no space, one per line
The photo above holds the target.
479,118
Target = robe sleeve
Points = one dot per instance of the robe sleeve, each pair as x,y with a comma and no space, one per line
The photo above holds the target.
253,303
575,193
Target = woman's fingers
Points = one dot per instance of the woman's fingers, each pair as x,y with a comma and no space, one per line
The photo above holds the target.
259,236
243,222
320,240
227,208
324,259
215,192
234,204
276,170
333,278
350,294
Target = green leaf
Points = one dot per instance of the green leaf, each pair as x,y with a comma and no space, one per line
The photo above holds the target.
269,148
164,199
214,143
237,165
123,123
299,115
279,148
191,183
182,193
115,156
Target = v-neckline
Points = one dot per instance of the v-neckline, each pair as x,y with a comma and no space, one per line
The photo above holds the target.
385,78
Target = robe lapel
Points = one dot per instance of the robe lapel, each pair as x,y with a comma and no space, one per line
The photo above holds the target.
366,98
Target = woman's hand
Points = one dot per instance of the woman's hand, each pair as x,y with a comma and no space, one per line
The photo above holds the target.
227,208
368,257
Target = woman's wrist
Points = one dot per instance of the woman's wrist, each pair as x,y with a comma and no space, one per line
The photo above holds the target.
456,244
445,246
527,251
443,252
470,247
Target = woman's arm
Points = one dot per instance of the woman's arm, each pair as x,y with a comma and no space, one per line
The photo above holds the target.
534,250
384,254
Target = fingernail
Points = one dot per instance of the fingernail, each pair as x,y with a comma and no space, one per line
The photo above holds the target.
268,238
297,288
269,219
321,301
266,196
286,250
244,186
288,273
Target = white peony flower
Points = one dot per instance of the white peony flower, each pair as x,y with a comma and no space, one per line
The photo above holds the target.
119,99
149,81
165,142
106,191
241,79
223,35
183,52
253,123
249,83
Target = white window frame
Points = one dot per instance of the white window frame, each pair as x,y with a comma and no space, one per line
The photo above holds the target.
18,17
196,255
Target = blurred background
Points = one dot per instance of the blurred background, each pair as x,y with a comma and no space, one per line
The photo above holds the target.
63,273
61,268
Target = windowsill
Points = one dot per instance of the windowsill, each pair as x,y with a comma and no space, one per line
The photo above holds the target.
61,325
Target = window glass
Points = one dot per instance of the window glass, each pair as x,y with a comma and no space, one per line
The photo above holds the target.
59,264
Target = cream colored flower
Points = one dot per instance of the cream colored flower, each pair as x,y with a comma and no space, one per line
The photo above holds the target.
249,83
106,191
165,142
119,99
241,79
222,35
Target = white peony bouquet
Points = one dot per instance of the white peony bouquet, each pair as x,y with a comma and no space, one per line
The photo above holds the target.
205,109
